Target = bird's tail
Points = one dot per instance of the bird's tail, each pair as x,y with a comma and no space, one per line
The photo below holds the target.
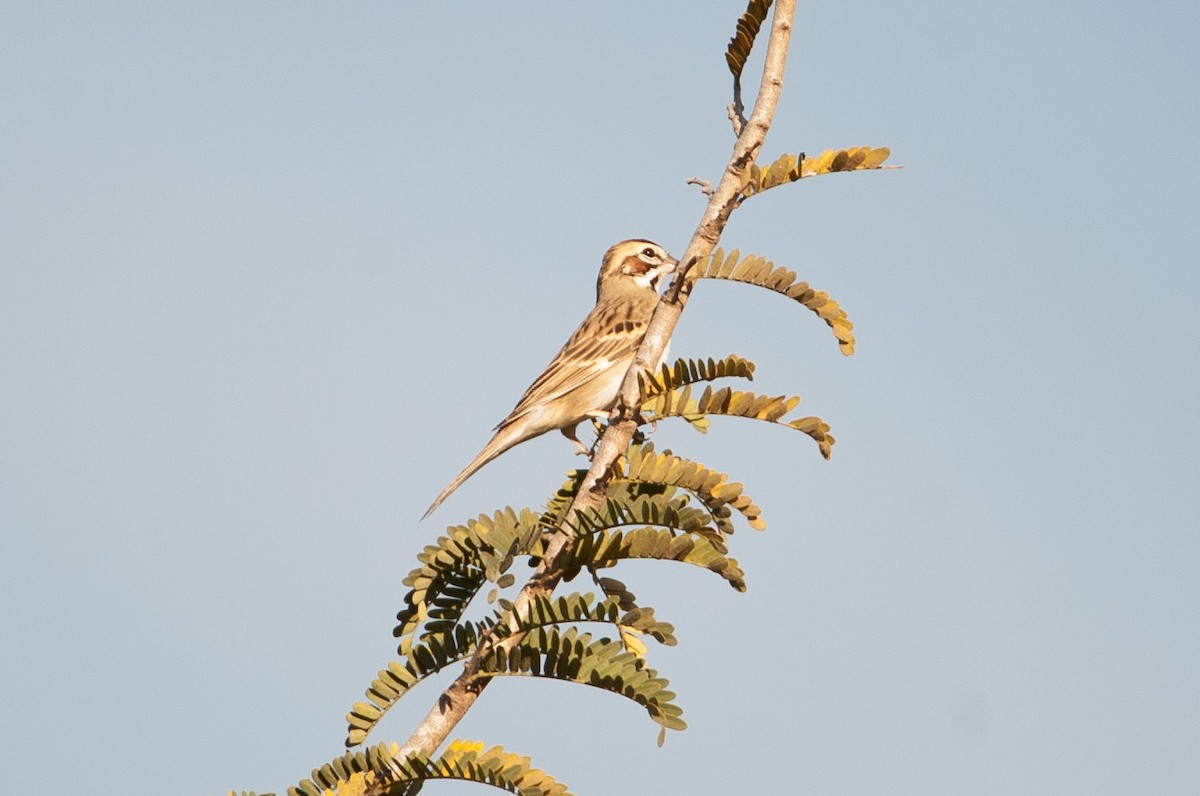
505,438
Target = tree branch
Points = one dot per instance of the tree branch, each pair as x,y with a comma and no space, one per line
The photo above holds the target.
456,700
705,186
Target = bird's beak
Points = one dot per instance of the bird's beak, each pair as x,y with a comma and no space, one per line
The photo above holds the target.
671,265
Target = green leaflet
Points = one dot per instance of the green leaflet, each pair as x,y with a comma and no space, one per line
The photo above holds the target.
691,371
453,570
714,490
451,574
737,403
790,168
748,26
582,607
759,271
556,507
421,660
663,397
604,663
607,548
376,771
632,503
442,649
376,759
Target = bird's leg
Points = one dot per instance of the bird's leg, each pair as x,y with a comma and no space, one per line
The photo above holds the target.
640,418
600,421
569,433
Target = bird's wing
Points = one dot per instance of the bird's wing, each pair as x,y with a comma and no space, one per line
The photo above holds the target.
608,338
605,342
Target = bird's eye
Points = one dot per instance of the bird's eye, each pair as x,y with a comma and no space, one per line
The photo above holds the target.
648,253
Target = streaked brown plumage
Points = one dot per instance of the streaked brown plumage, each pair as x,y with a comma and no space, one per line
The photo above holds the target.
584,378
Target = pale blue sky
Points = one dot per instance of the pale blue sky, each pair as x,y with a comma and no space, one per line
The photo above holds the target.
269,273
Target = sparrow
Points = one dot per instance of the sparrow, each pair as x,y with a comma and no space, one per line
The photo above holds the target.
584,378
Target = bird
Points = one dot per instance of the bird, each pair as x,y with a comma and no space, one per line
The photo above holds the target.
584,378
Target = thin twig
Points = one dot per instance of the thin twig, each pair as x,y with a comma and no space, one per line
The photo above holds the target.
454,702
705,186
735,109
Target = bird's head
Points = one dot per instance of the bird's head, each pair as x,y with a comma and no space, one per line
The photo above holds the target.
635,264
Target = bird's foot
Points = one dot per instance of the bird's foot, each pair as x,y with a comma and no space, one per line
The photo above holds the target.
580,448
